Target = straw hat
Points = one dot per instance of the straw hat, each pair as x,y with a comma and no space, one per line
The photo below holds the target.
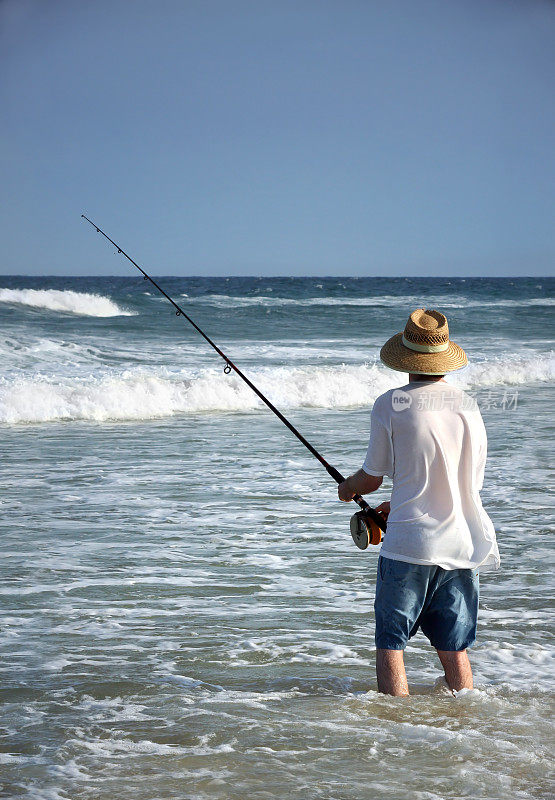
424,347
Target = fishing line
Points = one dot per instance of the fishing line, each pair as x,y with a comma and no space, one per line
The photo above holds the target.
367,524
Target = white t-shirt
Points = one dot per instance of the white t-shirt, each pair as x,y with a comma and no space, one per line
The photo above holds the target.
429,437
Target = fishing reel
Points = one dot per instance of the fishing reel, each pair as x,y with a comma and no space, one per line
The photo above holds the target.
365,530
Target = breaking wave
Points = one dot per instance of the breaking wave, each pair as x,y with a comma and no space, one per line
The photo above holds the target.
143,393
90,305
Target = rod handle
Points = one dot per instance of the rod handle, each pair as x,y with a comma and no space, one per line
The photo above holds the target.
360,501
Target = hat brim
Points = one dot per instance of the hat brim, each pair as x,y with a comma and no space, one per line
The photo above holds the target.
396,355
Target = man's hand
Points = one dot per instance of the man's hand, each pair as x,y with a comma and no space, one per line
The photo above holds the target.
345,492
384,509
359,483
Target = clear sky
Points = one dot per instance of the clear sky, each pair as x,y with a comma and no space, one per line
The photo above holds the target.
270,137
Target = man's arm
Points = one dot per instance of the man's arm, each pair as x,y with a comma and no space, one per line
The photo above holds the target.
359,483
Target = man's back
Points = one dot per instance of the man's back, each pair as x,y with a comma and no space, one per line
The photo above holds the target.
429,437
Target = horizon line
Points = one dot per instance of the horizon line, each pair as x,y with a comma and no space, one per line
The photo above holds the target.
321,277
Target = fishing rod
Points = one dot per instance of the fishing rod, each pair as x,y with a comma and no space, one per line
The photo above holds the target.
367,524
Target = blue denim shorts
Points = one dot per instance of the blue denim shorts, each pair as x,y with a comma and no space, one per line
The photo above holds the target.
443,603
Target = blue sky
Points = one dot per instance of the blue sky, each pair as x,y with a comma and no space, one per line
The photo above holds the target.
278,138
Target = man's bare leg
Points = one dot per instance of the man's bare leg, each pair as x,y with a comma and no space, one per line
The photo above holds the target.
458,672
390,668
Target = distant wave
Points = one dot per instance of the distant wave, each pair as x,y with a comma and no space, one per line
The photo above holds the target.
231,301
146,393
90,305
386,301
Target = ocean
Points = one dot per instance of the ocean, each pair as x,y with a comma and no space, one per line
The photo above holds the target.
183,611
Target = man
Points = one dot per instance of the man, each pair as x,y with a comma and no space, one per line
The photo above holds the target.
429,437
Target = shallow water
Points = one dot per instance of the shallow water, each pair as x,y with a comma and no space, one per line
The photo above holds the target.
183,611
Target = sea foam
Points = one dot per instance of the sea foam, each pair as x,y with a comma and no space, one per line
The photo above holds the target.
144,393
386,301
90,305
